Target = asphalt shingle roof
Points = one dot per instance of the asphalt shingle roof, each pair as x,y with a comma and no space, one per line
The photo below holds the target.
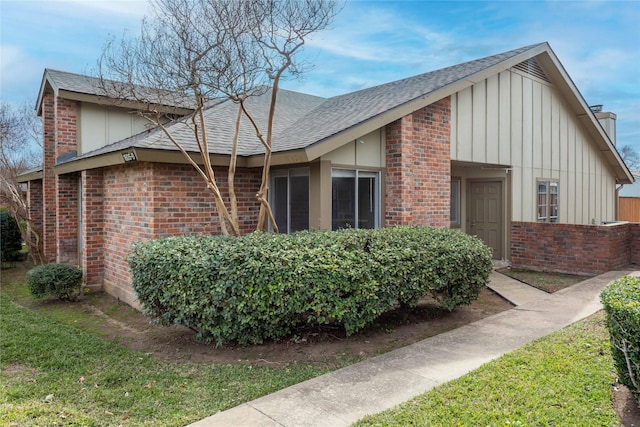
301,120
342,112
62,80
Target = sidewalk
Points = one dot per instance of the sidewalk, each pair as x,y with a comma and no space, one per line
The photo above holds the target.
346,395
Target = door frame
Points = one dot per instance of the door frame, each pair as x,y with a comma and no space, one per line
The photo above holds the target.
506,217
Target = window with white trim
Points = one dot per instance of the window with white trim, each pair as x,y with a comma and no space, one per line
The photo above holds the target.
289,198
354,199
547,201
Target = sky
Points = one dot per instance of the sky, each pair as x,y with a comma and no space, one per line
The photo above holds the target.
369,43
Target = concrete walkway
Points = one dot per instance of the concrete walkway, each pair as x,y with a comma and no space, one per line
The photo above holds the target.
346,395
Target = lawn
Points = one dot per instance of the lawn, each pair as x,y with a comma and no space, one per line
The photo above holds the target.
564,379
54,373
57,374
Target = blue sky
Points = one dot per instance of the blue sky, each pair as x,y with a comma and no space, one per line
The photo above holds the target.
370,42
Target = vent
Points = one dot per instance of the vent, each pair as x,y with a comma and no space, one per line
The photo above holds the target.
531,68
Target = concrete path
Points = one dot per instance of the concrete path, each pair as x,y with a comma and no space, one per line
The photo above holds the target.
346,395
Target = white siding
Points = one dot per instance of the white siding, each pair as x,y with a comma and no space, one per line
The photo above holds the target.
102,125
520,121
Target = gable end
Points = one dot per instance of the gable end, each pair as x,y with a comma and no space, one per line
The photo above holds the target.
531,68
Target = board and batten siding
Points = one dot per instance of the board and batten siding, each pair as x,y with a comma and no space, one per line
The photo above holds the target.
516,120
366,151
100,125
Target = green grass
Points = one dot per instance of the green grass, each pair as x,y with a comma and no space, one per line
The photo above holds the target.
97,383
564,379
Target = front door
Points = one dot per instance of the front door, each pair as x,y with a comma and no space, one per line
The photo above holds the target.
486,214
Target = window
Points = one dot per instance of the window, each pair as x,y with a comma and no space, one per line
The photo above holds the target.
547,201
354,199
454,214
290,199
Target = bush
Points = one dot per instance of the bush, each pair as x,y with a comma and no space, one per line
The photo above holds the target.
262,286
60,280
10,237
621,300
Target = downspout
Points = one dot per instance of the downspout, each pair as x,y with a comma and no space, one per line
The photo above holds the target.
617,207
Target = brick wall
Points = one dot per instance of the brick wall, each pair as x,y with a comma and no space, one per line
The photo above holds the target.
34,201
183,204
49,179
419,167
66,127
576,249
92,228
67,218
143,201
635,242
60,194
128,218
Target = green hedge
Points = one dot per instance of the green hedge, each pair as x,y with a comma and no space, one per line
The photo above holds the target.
262,286
621,300
60,280
10,237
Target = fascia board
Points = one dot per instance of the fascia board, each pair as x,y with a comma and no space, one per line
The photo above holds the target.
120,103
169,156
279,159
141,155
31,176
108,159
43,86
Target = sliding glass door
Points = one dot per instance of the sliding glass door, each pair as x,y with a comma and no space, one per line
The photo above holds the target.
354,201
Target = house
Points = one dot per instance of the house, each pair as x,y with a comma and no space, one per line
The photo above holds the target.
629,200
503,147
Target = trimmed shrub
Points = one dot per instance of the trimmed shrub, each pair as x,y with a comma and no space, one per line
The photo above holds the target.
262,286
10,237
60,280
621,300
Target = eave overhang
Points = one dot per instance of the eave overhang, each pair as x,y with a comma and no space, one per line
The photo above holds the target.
30,176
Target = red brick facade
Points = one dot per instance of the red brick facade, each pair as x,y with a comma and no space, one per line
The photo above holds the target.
577,249
143,201
92,227
93,218
60,194
419,167
67,210
34,201
49,179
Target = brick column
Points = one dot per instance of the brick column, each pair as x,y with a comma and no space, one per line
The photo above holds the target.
34,202
399,178
432,151
92,221
49,178
60,194
419,167
67,218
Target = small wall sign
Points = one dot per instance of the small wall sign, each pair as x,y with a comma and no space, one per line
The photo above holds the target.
129,156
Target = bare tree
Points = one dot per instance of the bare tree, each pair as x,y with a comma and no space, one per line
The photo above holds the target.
207,50
631,157
20,135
